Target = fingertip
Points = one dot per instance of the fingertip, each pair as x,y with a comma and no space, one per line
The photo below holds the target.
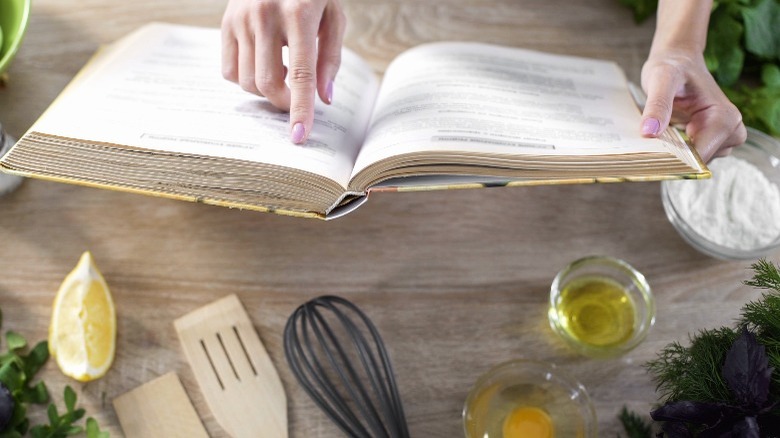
298,133
326,93
651,127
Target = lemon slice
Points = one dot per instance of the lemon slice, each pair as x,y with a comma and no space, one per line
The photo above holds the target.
82,335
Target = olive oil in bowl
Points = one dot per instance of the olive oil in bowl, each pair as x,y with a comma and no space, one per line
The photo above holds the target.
601,306
597,311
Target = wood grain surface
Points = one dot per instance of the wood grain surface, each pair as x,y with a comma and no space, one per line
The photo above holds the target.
456,281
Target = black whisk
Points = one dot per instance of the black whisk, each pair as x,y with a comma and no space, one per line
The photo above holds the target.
338,357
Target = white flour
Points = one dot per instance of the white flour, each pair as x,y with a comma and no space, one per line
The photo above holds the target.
738,208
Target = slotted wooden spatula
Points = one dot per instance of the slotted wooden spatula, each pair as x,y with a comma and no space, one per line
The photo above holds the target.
233,369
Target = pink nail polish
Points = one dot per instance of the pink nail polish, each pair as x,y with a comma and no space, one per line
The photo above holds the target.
298,132
650,127
329,92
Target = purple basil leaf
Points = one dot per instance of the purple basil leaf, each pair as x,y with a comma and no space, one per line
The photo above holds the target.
747,371
691,412
675,430
742,427
747,428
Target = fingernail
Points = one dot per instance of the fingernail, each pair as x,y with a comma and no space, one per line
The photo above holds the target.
650,127
329,92
298,132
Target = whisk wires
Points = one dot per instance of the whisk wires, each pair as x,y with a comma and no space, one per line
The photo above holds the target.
347,374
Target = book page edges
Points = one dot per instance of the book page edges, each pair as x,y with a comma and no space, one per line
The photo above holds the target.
394,186
683,137
341,209
176,196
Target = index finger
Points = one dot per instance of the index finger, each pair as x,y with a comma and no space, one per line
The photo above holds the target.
302,76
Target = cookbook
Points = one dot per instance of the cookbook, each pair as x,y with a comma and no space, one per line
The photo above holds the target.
152,114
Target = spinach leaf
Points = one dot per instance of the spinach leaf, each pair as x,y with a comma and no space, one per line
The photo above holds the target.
762,29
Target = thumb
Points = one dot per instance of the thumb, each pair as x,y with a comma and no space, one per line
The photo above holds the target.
661,85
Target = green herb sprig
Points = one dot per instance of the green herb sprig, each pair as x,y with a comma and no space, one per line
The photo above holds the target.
748,375
17,374
634,425
63,425
727,379
743,54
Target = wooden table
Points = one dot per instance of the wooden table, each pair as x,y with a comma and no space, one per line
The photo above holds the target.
456,281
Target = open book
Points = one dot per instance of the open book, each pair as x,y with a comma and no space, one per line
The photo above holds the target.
152,114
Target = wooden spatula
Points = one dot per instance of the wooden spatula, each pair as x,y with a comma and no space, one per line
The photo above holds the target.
233,369
159,408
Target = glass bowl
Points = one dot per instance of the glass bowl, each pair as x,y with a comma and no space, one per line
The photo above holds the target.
601,306
14,16
760,150
499,394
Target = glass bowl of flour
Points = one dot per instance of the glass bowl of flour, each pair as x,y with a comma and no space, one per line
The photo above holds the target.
735,215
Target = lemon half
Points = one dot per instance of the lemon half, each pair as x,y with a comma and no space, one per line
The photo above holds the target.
82,335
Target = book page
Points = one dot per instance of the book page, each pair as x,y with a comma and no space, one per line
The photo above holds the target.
161,88
485,99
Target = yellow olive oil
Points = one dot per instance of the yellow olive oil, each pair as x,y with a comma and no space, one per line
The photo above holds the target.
597,311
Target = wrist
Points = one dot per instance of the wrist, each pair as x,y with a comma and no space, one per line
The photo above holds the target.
682,26
683,54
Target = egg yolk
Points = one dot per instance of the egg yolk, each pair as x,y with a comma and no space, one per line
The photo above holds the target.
528,422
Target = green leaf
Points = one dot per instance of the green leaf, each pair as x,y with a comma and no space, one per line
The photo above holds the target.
70,398
36,359
93,430
7,357
37,394
759,107
642,8
11,377
54,417
40,432
19,420
766,107
74,430
15,341
762,22
724,54
78,414
770,75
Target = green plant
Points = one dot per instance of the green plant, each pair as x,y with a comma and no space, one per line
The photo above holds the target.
724,381
634,425
17,391
743,54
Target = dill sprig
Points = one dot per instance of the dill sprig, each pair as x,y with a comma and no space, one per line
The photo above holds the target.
634,425
693,373
765,276
692,380
763,316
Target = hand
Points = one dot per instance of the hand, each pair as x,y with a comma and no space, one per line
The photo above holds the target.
253,34
680,89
